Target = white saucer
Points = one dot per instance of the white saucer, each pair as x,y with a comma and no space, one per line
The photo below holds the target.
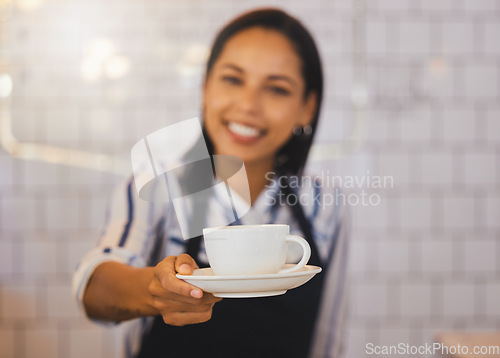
249,285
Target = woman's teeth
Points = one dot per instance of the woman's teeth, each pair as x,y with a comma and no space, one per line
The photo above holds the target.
243,130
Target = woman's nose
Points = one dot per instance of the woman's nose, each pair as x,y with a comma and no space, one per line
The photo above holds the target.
249,99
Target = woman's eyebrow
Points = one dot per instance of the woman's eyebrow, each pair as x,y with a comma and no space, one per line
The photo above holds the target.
270,77
234,67
283,78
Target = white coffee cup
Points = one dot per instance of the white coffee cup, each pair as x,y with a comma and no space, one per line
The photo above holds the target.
251,249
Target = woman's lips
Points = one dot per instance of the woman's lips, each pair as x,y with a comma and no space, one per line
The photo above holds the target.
243,133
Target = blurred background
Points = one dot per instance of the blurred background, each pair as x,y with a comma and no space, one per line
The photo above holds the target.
412,92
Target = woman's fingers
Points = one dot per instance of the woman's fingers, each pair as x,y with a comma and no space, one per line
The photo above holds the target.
177,306
185,264
158,292
181,318
165,273
179,302
168,286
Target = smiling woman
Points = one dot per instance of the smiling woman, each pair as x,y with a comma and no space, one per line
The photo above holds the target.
254,97
289,68
261,99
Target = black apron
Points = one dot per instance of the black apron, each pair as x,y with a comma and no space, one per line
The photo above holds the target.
267,327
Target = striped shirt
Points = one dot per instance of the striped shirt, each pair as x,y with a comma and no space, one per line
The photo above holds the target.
141,233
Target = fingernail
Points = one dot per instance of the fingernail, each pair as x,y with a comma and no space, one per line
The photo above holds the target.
185,268
196,293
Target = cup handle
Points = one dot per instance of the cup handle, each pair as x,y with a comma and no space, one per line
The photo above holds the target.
305,256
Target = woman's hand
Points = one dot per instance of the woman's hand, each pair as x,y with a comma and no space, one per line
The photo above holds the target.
179,302
119,292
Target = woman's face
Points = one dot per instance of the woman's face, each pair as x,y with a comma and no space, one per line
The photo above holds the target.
254,96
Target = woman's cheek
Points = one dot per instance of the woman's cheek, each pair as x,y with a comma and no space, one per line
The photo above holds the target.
217,103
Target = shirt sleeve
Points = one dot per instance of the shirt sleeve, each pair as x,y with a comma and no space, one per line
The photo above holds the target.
127,237
329,337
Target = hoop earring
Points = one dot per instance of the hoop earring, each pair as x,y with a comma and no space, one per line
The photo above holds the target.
299,131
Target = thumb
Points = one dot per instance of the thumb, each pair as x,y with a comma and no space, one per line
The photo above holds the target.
185,264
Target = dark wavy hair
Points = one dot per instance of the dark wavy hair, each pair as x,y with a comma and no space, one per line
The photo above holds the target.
291,158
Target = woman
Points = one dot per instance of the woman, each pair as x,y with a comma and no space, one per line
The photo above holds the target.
261,100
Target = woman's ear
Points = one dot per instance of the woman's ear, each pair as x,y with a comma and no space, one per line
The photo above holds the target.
311,104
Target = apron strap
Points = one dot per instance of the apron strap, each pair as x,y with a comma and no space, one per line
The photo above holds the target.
193,248
304,224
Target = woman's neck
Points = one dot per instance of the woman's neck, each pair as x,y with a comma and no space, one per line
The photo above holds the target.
257,173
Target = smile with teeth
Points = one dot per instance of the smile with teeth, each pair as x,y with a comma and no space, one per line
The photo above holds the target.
244,130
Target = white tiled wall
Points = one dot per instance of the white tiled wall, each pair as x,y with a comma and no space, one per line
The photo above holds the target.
426,259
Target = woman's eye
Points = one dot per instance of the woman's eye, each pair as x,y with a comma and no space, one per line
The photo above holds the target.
231,80
279,90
